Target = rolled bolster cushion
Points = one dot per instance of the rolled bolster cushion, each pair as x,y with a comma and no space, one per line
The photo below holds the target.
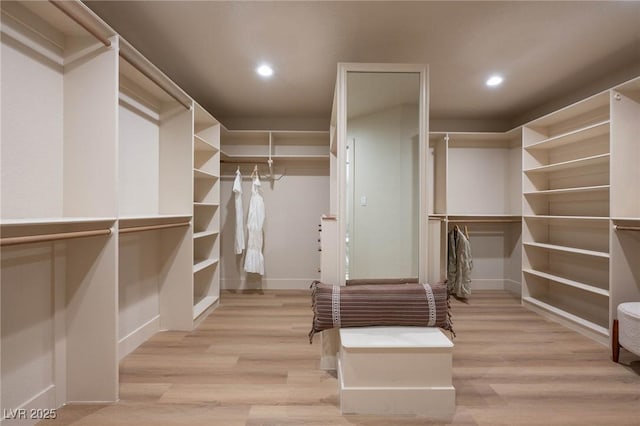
413,304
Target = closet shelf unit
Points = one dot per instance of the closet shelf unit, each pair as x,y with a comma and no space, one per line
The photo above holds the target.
566,212
625,196
59,151
490,207
206,213
260,146
155,212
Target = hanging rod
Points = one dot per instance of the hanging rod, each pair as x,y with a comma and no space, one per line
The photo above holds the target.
11,241
485,221
627,228
152,227
63,6
124,54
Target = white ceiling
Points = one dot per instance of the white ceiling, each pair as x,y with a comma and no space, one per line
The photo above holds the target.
549,52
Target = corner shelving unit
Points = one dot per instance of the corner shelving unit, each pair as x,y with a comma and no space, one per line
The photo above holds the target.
259,146
206,212
566,205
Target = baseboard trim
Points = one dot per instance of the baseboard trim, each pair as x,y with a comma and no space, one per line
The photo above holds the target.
267,284
131,341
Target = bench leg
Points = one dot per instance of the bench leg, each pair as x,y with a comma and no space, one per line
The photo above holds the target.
615,344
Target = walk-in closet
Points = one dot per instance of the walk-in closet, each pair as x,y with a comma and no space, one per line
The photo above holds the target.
242,213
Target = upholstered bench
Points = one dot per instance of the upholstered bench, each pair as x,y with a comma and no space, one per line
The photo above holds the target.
626,329
396,370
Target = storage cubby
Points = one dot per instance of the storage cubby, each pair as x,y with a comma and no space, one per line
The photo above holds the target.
154,271
155,144
574,307
625,152
206,212
58,315
261,145
293,145
59,86
245,145
493,161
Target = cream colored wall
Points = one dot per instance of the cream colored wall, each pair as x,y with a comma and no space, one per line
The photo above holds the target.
293,206
40,178
384,233
138,281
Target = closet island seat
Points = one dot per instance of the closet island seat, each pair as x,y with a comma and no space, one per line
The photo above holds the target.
396,371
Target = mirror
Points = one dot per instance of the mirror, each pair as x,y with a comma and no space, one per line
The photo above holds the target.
382,175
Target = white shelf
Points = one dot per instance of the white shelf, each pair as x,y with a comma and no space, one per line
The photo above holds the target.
568,249
592,131
200,174
576,190
204,304
626,219
203,264
302,157
161,219
202,145
566,315
575,218
198,204
10,223
567,165
204,234
568,282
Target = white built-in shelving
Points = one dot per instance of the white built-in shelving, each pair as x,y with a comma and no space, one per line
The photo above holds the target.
566,208
154,182
205,292
625,195
248,146
59,174
489,206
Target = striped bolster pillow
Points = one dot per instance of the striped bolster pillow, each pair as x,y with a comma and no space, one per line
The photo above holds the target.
421,305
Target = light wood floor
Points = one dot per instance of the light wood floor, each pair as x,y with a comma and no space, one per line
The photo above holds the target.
250,363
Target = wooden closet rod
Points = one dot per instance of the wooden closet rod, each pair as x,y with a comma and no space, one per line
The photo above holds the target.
627,228
124,55
63,6
152,227
12,241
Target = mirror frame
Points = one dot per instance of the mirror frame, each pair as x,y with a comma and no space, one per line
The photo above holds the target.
341,139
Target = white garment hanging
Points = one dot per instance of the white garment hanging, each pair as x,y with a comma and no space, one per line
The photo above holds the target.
254,261
237,189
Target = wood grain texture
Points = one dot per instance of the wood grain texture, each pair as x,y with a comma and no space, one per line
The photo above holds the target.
249,363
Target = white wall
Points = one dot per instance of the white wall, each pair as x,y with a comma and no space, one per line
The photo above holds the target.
384,233
294,205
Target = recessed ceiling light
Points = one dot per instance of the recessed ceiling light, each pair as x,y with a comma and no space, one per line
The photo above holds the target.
264,70
494,80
